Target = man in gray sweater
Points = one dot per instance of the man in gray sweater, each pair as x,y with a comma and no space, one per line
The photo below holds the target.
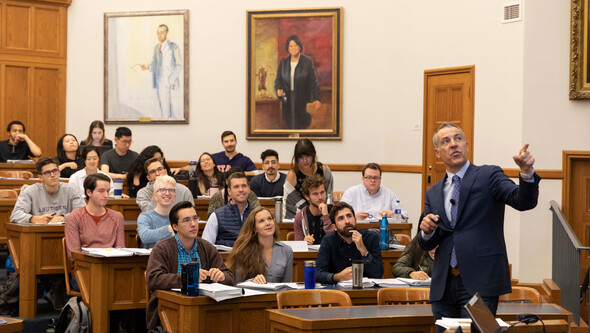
49,201
154,167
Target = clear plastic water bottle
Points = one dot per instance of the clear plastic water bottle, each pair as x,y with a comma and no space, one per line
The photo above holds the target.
397,210
384,231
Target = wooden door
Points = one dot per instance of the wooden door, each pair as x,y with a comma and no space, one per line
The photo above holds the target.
448,96
576,205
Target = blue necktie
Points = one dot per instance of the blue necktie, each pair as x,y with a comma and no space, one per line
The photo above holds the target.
454,208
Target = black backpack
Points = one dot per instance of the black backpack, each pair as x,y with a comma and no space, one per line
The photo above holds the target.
74,317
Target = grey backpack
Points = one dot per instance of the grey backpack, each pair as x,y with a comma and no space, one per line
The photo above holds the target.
74,317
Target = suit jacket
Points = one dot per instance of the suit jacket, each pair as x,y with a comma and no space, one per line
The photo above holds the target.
478,235
175,65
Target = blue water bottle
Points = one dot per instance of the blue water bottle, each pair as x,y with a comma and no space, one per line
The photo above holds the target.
309,274
384,231
190,278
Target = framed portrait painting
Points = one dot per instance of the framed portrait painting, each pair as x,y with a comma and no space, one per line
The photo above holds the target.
579,87
294,74
146,67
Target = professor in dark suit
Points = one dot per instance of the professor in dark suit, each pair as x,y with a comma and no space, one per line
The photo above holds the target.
465,218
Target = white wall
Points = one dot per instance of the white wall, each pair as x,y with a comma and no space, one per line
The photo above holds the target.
387,46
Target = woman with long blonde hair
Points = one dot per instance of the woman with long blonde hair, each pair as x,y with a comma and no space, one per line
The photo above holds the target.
257,254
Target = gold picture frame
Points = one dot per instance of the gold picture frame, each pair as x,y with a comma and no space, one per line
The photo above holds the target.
311,105
146,67
579,46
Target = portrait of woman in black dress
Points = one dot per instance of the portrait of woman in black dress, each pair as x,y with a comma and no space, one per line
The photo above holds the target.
297,85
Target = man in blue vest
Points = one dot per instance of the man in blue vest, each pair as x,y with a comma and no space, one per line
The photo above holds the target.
224,225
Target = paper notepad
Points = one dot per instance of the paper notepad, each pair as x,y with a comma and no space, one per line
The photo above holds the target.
219,292
108,252
413,282
297,246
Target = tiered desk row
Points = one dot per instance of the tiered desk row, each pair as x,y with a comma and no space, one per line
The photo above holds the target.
119,283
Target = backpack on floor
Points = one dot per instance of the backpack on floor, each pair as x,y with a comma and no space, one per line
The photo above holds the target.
74,317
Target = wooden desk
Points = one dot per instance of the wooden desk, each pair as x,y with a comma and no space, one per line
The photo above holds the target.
36,249
19,167
180,313
11,325
111,284
401,318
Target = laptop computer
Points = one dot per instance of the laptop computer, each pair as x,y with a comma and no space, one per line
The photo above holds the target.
482,318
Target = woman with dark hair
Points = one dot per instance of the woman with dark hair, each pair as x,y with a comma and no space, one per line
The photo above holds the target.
220,198
67,155
91,158
297,85
414,263
257,254
96,136
136,176
303,165
209,178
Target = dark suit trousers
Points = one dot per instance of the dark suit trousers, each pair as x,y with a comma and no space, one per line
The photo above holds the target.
454,298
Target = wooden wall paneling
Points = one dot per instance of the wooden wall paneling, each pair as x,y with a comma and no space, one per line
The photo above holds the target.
33,42
47,30
17,30
17,89
48,119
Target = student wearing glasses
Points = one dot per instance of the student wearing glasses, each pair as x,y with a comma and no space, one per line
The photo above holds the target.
154,167
163,268
153,225
49,201
270,183
370,199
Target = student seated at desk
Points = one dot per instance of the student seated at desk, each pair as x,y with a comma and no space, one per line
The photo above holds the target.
163,268
338,249
94,225
18,146
304,164
90,156
257,253
137,177
49,201
68,156
154,225
224,225
221,198
415,263
96,136
312,222
155,167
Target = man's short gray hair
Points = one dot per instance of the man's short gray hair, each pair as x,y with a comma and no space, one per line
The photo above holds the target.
445,125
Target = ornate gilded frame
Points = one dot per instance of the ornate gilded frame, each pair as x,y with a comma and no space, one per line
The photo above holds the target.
320,31
579,46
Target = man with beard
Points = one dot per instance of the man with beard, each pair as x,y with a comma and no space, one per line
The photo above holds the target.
229,158
340,248
312,222
270,183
